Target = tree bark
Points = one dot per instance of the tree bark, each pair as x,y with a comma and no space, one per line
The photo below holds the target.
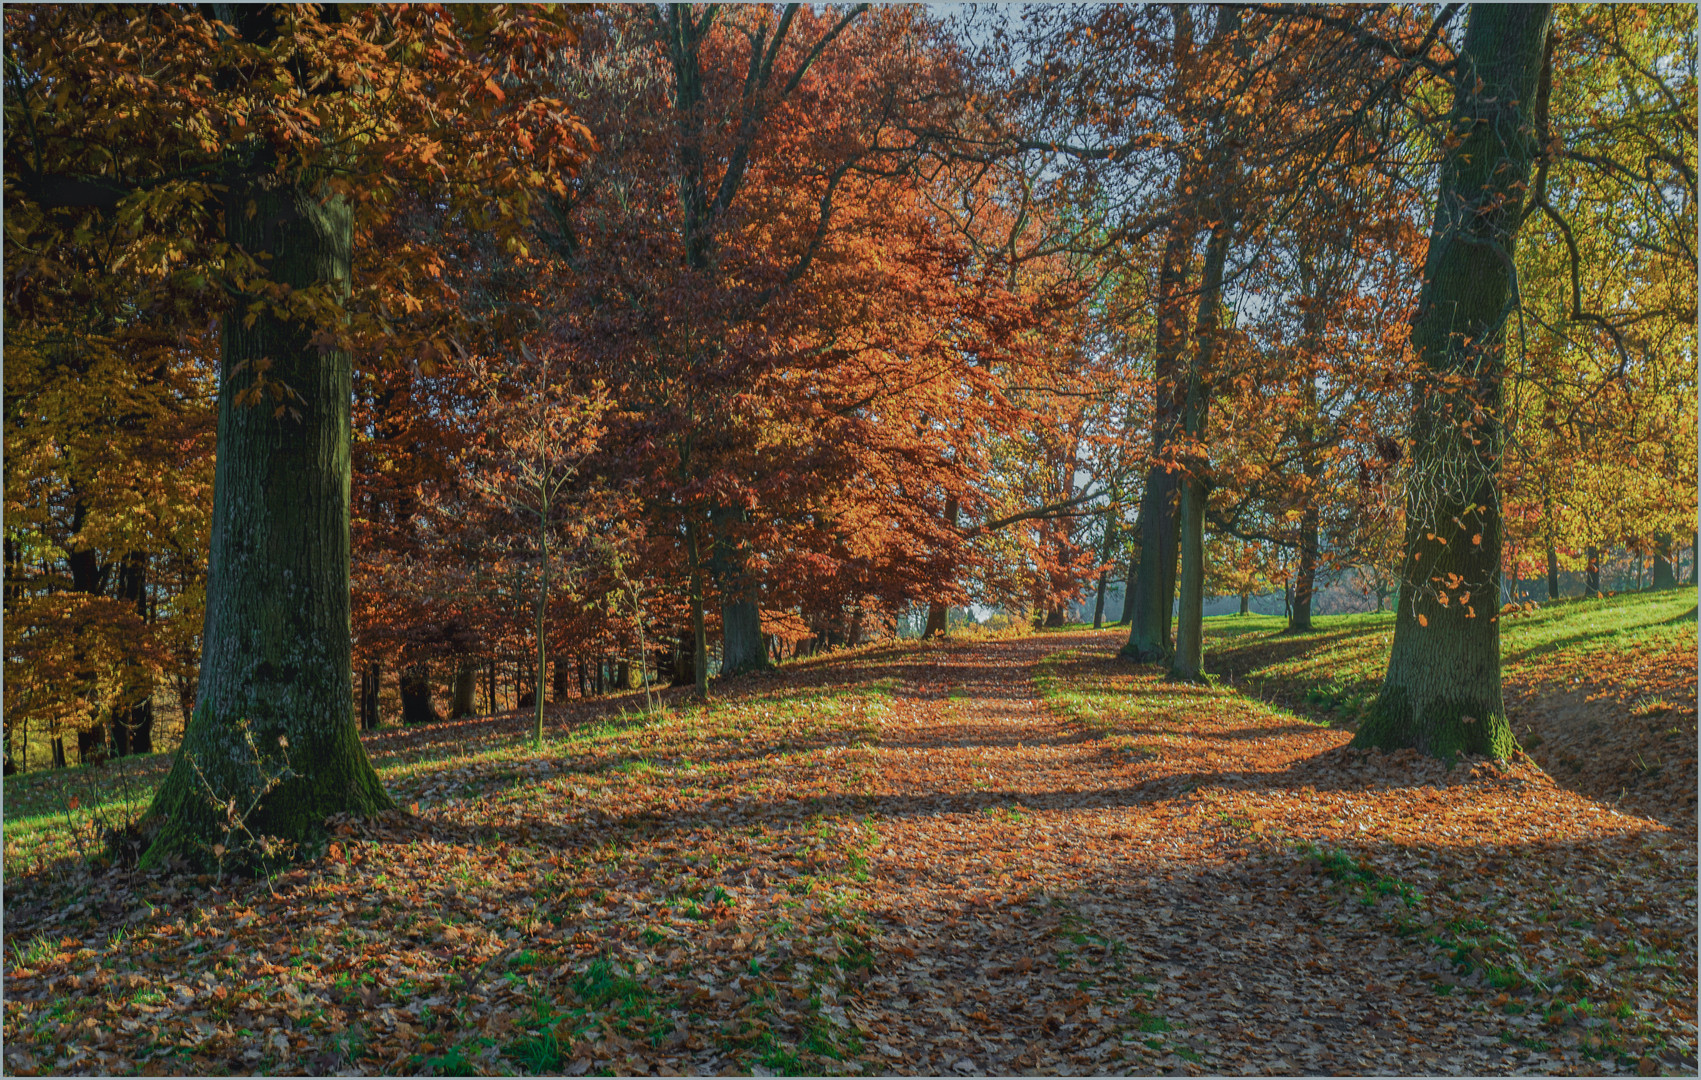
416,696
1110,523
938,613
699,632
1592,572
1154,584
1305,578
1188,663
1127,616
1552,573
276,665
1442,691
369,684
461,702
1246,603
133,723
1664,576
741,617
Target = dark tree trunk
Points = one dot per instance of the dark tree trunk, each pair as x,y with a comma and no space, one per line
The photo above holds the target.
1305,578
699,666
276,661
623,676
558,680
1552,573
1592,572
59,753
1246,604
1442,692
416,696
133,723
1664,576
370,681
490,686
461,703
741,618
938,613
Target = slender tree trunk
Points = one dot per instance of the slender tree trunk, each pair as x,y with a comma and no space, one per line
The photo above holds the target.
1552,572
938,613
1189,660
369,685
699,632
1592,572
133,724
1110,522
1442,692
1127,616
276,662
1305,577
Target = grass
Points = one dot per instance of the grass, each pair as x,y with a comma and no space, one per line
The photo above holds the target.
1338,669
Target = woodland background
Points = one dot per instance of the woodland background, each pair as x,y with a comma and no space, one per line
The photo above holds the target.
876,296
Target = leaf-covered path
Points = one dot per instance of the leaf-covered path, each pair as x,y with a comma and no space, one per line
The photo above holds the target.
1003,856
1172,925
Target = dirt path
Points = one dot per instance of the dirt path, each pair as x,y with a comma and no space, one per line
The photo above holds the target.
1074,904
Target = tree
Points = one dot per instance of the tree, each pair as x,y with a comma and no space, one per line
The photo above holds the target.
261,148
1442,691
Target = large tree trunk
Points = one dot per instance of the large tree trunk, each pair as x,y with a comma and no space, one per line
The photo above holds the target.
416,696
276,663
1442,692
1246,603
1154,584
461,703
1305,578
741,619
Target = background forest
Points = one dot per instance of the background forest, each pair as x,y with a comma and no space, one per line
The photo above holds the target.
801,325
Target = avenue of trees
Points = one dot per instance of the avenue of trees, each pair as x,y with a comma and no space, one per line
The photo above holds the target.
510,354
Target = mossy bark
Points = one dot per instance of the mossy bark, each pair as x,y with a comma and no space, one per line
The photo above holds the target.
276,668
1442,692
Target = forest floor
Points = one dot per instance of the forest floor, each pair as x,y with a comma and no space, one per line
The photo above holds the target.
1010,855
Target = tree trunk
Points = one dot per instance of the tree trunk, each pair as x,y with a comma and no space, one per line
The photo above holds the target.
1189,660
461,702
1592,572
558,680
369,685
490,686
1305,578
1127,616
1154,583
276,661
1664,577
699,631
938,613
741,618
1442,692
1552,573
416,696
1110,523
133,723
1246,603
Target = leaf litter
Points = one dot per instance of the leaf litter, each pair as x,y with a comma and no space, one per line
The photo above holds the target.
1015,856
